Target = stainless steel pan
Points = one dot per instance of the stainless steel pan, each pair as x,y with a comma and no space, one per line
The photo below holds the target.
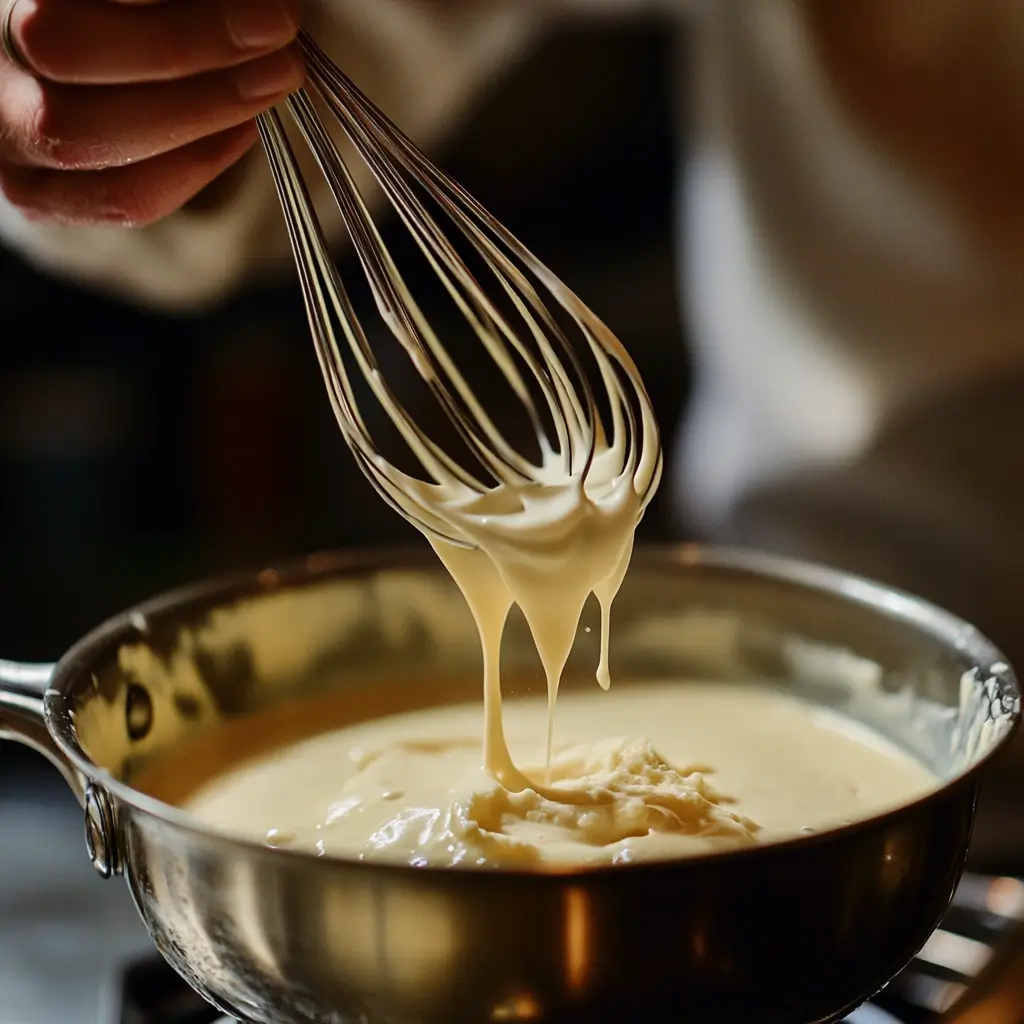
797,932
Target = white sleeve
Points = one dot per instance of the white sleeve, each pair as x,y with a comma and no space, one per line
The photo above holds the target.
852,366
859,394
422,63
185,261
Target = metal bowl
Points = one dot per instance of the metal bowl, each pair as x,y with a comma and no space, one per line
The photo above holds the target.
796,932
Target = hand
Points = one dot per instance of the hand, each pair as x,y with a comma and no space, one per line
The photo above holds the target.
133,106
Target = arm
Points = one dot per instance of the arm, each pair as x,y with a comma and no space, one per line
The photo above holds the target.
857,329
933,506
929,494
851,320
940,88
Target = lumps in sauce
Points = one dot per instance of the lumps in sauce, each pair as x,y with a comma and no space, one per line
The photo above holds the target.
645,771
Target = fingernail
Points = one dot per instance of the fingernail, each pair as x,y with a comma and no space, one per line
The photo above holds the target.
276,75
255,24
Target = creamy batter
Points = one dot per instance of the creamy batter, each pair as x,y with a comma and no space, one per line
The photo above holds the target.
545,535
647,771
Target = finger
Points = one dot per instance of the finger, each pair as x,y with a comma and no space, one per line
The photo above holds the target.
132,196
95,42
94,127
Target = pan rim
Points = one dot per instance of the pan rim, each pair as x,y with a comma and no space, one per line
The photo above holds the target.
123,627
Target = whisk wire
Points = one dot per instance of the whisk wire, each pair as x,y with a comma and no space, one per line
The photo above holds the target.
402,313
486,324
318,275
539,346
371,134
387,285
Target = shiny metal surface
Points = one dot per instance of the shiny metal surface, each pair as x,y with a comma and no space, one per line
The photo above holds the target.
955,965
573,388
798,932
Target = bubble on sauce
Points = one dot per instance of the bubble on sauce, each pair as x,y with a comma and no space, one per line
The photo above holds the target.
278,839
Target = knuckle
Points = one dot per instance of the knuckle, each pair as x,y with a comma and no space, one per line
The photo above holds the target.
53,141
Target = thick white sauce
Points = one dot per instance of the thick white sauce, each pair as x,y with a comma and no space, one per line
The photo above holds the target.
648,771
555,531
635,778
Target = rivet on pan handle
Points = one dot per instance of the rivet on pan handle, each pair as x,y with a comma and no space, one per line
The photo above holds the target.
101,833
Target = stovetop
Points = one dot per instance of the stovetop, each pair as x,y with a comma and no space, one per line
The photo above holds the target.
147,991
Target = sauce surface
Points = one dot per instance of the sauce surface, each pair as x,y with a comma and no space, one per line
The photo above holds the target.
645,771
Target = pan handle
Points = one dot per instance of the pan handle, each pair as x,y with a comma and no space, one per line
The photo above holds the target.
22,688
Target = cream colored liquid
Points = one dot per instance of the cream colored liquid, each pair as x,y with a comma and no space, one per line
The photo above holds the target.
635,779
647,771
554,532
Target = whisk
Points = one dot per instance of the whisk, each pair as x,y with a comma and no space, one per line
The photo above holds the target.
526,342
